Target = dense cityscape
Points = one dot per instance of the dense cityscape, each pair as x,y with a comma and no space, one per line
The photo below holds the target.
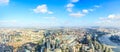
57,39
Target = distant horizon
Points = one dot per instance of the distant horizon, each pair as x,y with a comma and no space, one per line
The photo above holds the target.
45,27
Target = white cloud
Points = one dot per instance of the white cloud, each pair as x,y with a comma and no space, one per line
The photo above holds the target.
110,20
111,16
50,12
69,7
4,2
94,8
78,14
74,1
42,9
85,11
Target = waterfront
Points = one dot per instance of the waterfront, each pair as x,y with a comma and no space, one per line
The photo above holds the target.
105,40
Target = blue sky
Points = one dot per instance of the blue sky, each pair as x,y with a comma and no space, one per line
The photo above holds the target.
59,12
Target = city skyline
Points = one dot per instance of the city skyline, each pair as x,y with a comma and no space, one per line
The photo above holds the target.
60,13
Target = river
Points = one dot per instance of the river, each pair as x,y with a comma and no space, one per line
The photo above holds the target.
105,40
